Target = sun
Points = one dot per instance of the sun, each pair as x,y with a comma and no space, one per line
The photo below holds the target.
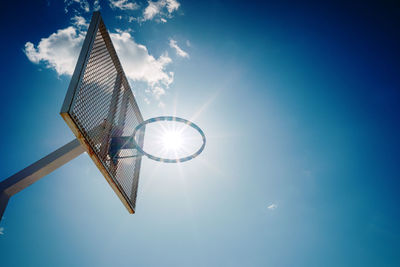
172,140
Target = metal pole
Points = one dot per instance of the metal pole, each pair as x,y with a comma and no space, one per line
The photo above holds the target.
37,170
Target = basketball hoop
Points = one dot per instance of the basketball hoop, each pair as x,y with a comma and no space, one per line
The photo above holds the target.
102,112
131,143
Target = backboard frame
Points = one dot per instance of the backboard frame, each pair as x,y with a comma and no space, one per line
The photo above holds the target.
96,25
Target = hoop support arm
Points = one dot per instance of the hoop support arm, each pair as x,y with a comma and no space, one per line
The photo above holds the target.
37,170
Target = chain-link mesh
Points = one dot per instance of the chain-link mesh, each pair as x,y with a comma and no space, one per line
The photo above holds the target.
103,107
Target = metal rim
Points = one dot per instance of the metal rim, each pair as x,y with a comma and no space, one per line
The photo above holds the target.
169,118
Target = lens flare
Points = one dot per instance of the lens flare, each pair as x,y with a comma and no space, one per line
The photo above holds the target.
172,140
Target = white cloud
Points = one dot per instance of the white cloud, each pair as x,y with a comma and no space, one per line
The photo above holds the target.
155,8
83,4
158,92
130,19
179,51
96,5
138,64
163,20
1,230
123,5
151,10
172,5
272,207
79,21
59,51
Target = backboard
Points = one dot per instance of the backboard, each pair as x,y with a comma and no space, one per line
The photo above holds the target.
100,106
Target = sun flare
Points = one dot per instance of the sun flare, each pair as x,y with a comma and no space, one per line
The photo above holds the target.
172,140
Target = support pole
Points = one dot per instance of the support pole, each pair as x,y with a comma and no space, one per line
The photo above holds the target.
37,170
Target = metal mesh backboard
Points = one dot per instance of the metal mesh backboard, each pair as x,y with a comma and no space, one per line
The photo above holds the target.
100,106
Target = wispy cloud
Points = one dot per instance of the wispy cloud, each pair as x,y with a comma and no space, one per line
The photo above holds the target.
123,5
80,4
96,5
130,19
151,10
172,5
179,51
157,8
158,92
138,64
1,230
79,21
272,207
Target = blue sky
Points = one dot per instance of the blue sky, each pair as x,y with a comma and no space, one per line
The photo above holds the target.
300,105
